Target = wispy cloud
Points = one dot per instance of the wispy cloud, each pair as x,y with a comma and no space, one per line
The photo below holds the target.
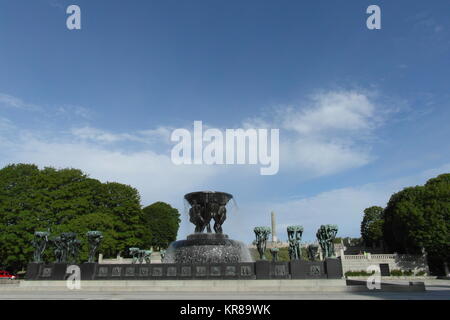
56,4
160,135
77,111
330,132
9,101
6,124
66,112
102,136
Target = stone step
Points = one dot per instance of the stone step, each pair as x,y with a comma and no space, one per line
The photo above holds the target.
192,285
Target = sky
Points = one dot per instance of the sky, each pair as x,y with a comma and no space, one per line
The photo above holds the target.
362,113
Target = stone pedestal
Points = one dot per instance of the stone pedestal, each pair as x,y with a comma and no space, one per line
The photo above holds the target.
333,268
300,269
88,270
265,269
262,269
32,271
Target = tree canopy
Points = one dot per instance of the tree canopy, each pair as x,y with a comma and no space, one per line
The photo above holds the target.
372,225
419,217
163,222
68,200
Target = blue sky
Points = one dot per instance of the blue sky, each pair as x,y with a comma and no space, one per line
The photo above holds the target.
362,113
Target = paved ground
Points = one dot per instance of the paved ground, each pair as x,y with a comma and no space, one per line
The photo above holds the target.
435,292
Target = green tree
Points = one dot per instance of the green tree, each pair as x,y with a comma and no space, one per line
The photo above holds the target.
162,222
419,217
372,225
16,224
123,202
61,201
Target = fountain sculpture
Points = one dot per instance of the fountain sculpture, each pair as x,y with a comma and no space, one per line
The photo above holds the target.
39,243
294,238
209,247
262,235
325,236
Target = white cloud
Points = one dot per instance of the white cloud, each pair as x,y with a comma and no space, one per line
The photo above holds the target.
342,111
98,135
161,134
329,133
152,174
314,157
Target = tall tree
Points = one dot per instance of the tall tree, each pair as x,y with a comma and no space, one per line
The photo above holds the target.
17,221
419,217
372,225
123,202
162,222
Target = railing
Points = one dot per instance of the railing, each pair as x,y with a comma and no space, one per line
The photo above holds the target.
383,256
355,257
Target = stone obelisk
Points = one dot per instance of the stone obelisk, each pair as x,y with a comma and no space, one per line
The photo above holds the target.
274,228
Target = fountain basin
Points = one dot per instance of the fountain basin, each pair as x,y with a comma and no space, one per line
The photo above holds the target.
200,248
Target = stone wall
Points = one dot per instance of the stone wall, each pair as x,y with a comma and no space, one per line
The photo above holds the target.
261,269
